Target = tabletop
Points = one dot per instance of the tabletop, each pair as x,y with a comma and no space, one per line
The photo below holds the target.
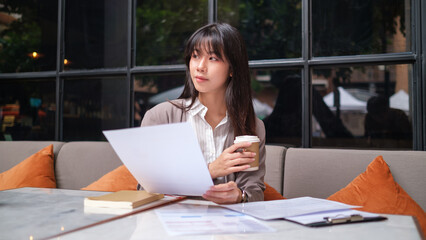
37,213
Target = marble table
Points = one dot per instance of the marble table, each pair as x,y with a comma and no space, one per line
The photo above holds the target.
36,213
41,213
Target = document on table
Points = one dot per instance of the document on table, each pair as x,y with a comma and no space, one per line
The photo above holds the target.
268,210
185,219
164,158
309,211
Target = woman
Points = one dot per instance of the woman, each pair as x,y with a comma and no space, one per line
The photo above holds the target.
217,101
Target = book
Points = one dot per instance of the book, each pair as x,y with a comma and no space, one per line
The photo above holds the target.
122,199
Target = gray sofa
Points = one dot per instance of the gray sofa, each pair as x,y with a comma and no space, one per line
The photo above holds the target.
294,172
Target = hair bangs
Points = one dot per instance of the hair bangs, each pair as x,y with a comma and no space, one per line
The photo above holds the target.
208,41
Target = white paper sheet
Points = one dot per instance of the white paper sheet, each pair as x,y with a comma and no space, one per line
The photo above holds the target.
184,219
268,210
164,158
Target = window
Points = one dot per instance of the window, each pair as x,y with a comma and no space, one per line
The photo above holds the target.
363,107
95,34
98,65
28,36
162,28
150,90
271,29
92,105
360,27
278,102
27,109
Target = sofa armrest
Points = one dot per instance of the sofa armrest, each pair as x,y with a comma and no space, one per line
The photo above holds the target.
275,156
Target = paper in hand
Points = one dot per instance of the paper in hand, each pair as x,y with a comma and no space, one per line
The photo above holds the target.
164,158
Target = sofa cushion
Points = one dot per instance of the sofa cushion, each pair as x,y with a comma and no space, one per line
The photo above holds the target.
35,171
14,152
376,191
116,180
322,172
271,194
81,163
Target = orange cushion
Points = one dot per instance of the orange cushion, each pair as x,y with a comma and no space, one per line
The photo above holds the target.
116,180
271,194
376,190
35,171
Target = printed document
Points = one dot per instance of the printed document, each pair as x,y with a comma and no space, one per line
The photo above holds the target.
164,158
184,219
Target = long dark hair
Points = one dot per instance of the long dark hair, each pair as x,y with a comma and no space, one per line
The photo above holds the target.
223,39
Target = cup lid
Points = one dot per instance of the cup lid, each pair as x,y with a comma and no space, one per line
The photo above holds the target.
246,138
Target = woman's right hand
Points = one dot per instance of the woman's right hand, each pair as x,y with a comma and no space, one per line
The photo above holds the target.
231,161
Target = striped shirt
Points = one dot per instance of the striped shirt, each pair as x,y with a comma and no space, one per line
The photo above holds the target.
211,140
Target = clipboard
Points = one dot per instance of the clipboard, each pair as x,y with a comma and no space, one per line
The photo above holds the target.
324,219
307,211
354,218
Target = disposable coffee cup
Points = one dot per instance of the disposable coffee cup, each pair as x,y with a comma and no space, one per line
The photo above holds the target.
254,147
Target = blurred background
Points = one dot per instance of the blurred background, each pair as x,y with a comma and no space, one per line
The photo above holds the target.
340,74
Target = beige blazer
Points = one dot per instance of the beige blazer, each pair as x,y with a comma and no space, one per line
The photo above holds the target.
252,182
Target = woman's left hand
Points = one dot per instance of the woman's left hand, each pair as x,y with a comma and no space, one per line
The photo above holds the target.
225,193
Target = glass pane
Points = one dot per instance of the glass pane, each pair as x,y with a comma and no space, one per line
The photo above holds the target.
278,102
28,33
151,90
95,34
276,93
360,27
162,27
272,29
363,107
93,105
27,109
